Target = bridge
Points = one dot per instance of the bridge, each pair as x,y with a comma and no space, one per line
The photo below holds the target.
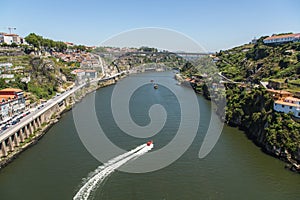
18,134
182,54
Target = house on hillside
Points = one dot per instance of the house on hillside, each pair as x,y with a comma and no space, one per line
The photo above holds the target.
92,74
11,38
282,38
288,105
279,94
83,75
5,66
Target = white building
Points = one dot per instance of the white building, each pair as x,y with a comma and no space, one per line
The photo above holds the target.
282,38
4,108
7,76
92,74
5,66
11,38
12,101
290,104
85,74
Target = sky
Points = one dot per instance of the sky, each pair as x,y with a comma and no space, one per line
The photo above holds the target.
215,25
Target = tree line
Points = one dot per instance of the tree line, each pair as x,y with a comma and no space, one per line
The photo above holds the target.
46,44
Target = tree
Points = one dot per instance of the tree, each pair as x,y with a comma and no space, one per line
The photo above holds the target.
38,42
80,47
34,40
14,44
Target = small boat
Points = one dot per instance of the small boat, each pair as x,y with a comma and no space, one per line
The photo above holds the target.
155,86
149,143
152,81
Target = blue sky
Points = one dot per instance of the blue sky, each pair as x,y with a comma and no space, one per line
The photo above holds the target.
214,24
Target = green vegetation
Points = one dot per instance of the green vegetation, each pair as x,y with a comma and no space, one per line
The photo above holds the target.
256,62
47,74
283,132
252,111
251,108
40,42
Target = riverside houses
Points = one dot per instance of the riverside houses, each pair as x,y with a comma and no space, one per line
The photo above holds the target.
12,101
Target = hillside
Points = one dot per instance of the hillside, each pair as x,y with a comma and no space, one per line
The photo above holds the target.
248,106
256,62
40,75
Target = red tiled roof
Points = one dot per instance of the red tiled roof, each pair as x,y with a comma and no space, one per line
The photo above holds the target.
282,36
11,90
6,97
77,71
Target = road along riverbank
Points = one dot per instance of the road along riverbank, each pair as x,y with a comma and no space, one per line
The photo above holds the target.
36,135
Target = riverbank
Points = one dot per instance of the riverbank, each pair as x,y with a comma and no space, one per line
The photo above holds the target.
256,118
40,132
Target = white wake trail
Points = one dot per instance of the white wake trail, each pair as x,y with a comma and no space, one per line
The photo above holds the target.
105,170
112,161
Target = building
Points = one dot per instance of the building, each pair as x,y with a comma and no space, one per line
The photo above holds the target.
15,98
80,74
5,67
4,110
11,38
69,44
84,74
282,38
279,94
288,105
7,76
92,74
254,41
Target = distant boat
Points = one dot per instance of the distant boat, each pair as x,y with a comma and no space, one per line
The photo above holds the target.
155,86
152,81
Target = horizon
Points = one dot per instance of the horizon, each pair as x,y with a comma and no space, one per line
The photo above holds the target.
216,26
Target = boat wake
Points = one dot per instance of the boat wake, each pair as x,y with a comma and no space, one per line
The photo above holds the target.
97,176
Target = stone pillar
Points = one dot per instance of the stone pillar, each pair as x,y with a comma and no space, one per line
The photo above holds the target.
22,135
17,140
42,118
10,144
66,102
4,149
31,129
38,122
35,126
27,131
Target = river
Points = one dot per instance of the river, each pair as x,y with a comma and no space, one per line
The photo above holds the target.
234,169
